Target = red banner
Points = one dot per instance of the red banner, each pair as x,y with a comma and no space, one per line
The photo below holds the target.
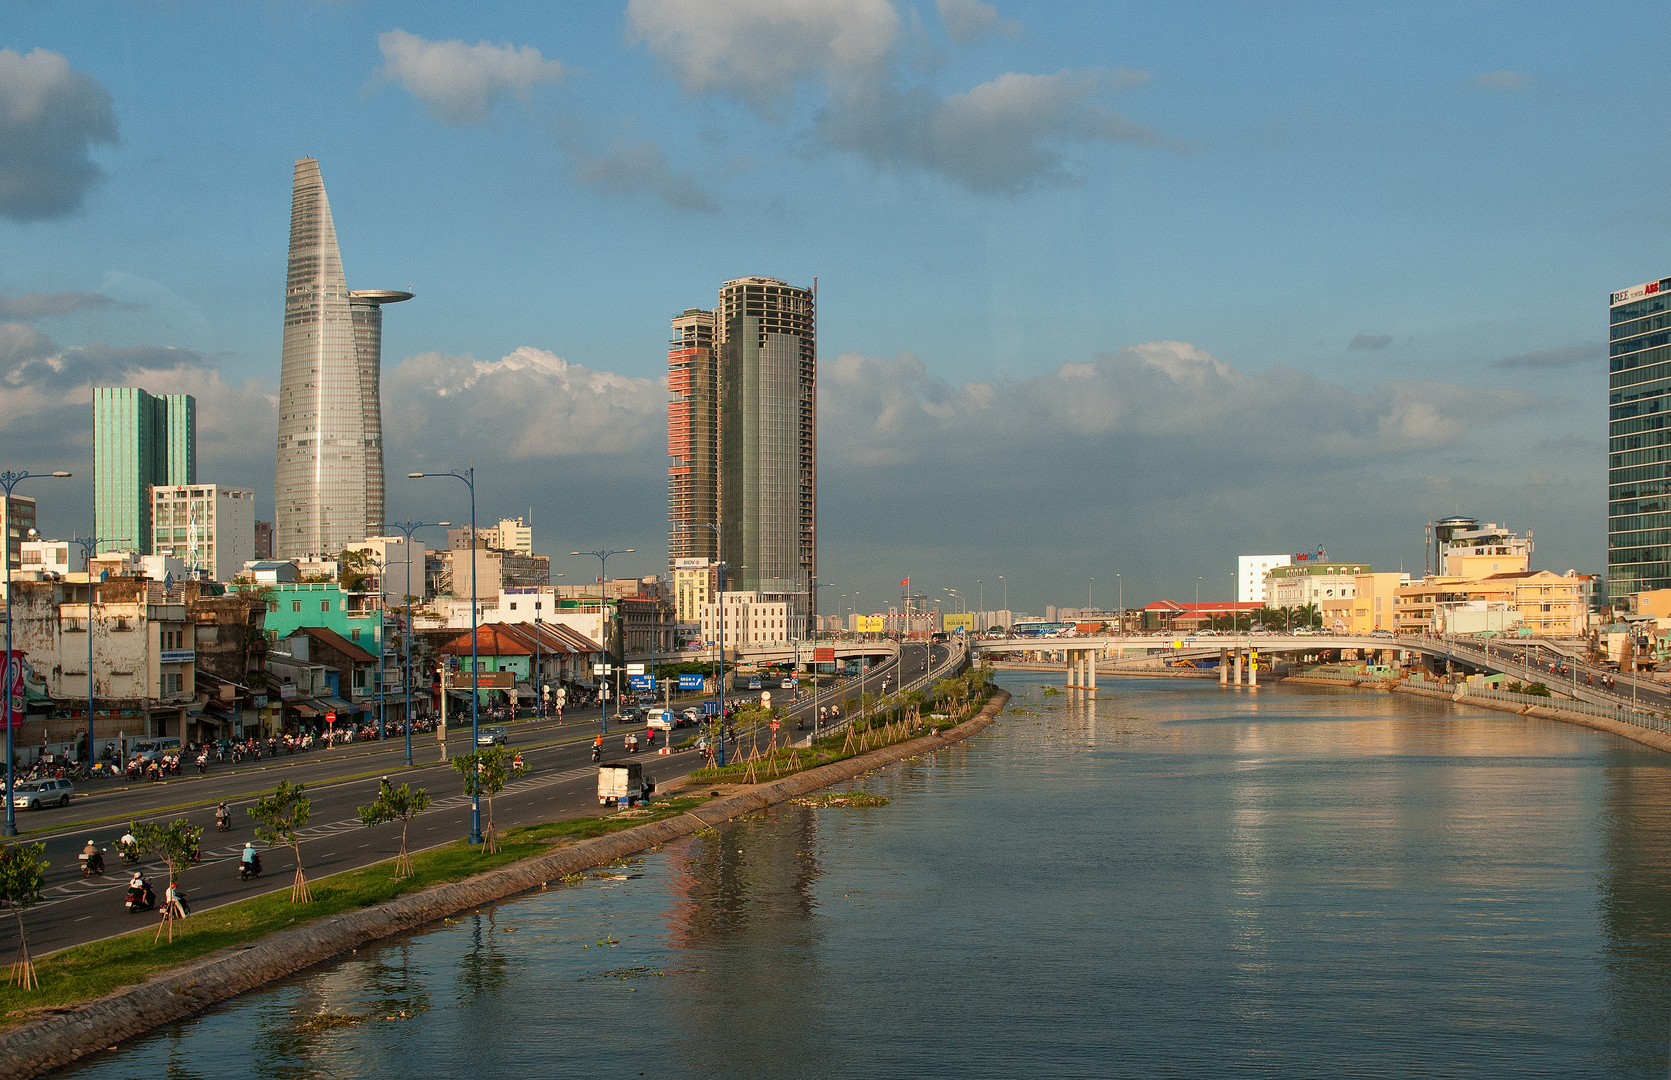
823,655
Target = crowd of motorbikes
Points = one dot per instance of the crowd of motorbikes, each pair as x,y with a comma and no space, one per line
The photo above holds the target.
140,894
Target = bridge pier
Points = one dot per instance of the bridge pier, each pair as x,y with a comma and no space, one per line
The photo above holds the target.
1253,669
1224,667
1238,667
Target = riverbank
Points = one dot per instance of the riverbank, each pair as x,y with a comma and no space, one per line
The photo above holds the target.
64,1035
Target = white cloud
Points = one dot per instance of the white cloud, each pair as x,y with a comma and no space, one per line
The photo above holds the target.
459,83
50,118
967,21
45,305
1503,80
758,51
877,411
1001,137
529,405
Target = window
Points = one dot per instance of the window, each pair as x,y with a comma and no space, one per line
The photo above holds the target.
324,605
354,633
295,605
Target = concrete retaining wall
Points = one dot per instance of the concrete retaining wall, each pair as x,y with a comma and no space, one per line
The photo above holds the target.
63,1037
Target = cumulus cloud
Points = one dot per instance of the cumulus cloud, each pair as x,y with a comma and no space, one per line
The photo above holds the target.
43,305
531,405
50,118
634,168
1001,137
1554,358
967,21
1502,80
459,83
888,411
1372,342
759,51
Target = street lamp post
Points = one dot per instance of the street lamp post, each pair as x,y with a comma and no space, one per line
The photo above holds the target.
1122,587
9,480
719,617
469,478
87,547
603,628
406,529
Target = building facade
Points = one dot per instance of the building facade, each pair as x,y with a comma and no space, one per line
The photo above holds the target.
209,527
329,479
17,520
1250,575
1638,440
695,581
1332,587
748,619
693,439
140,440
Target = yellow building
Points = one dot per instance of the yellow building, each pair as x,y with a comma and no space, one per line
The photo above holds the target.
1373,602
1540,603
1655,603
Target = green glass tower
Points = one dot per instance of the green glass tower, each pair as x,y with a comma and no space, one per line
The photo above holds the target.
139,439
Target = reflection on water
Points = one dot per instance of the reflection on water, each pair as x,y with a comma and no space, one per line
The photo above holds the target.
1173,879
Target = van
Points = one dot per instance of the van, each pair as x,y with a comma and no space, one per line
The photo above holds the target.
150,750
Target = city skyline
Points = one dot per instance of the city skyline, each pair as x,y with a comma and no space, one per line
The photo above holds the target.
1128,293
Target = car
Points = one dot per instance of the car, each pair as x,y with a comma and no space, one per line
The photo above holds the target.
1380,633
690,716
787,684
36,794
494,735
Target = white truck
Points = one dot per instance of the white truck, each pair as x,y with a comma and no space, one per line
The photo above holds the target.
623,783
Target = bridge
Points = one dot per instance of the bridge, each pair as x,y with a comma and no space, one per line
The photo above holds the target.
1524,659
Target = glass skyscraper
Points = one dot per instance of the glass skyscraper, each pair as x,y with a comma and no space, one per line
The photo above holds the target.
1639,439
330,435
139,439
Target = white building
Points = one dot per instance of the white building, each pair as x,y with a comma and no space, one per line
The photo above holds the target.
1250,575
748,620
1327,585
209,527
51,557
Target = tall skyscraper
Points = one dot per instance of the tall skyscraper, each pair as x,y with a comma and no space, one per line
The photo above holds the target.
765,430
139,440
1638,439
330,435
693,438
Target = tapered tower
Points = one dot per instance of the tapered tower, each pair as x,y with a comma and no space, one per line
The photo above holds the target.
329,482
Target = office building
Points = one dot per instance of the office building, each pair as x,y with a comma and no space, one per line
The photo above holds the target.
692,439
510,535
762,369
140,440
208,527
17,518
329,479
263,540
1638,441
1250,575
695,582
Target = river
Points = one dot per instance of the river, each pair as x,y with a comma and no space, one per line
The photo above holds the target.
1178,880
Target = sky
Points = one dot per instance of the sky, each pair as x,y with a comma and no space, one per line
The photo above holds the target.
1104,288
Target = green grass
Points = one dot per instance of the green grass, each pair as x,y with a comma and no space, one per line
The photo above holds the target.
83,972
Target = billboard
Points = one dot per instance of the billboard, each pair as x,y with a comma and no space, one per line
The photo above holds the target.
869,624
955,623
823,655
690,564
1637,292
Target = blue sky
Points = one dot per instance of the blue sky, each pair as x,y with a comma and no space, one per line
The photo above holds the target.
1105,288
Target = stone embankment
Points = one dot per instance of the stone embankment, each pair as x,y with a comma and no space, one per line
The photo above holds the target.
1646,736
67,1035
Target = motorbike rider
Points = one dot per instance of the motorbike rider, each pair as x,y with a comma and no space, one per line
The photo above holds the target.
223,817
250,861
92,858
597,748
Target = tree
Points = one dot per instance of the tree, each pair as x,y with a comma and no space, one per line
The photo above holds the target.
279,819
400,804
22,874
485,773
176,843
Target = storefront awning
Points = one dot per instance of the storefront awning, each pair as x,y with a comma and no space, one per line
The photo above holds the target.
337,705
305,710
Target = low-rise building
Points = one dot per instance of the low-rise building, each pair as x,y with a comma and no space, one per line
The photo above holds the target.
209,527
1330,586
747,620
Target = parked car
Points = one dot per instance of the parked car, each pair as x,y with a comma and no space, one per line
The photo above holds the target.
491,736
38,793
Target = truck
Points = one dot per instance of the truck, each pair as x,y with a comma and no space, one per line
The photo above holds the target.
624,784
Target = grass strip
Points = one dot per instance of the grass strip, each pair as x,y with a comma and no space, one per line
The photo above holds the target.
83,972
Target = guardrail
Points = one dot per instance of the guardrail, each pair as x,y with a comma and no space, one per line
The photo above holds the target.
958,655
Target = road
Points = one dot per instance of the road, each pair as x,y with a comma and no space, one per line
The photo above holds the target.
562,784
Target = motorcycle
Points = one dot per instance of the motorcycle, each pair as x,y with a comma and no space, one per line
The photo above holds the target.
631,744
92,865
223,821
141,897
597,752
249,870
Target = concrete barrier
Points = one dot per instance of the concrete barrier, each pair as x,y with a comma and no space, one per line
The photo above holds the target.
69,1034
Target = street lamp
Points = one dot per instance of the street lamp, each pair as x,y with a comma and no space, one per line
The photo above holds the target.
603,629
406,529
87,547
9,480
535,682
469,478
1122,588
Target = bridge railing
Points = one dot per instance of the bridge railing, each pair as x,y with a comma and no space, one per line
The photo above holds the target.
1624,713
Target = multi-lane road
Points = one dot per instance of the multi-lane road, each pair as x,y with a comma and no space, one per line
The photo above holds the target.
562,784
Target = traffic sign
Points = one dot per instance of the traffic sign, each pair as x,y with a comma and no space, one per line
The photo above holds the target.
642,682
635,669
710,708
690,682
774,723
766,699
603,669
330,717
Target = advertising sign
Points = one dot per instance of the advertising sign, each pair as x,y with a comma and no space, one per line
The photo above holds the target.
823,655
635,669
19,704
690,682
869,624
955,623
